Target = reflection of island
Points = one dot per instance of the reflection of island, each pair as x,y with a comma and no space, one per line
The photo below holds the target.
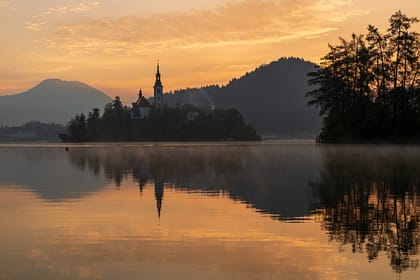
46,172
273,180
369,200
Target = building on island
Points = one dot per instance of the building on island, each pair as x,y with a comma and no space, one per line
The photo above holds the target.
191,104
141,108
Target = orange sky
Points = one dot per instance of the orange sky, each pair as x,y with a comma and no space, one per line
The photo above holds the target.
114,45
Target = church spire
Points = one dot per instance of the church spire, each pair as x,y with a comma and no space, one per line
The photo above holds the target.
158,82
159,189
158,89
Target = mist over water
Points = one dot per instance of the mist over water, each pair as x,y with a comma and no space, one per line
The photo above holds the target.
225,210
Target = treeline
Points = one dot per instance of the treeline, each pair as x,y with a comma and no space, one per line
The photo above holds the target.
31,131
368,87
169,124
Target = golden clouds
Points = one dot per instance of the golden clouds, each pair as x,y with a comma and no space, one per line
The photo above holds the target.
82,7
40,20
4,4
244,22
114,44
34,26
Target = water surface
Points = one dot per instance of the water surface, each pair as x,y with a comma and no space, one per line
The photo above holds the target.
270,210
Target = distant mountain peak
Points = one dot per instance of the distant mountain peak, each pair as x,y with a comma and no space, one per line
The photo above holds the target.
52,100
54,82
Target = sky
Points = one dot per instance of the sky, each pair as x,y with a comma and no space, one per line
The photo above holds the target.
114,45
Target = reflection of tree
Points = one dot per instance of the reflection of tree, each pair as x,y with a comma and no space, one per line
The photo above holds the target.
370,201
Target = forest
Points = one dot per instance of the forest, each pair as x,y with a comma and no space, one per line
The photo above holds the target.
367,88
31,131
168,124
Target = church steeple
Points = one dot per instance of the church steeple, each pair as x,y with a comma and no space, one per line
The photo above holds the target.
158,81
159,189
158,89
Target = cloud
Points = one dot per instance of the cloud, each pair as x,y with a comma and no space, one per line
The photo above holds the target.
7,5
82,7
34,26
235,23
85,7
4,4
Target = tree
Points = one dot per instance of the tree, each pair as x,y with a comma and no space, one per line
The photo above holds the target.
93,123
367,88
77,128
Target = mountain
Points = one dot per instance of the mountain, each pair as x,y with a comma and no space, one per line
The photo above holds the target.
52,100
271,98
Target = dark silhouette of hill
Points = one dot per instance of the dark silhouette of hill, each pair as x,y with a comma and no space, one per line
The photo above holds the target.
271,98
50,101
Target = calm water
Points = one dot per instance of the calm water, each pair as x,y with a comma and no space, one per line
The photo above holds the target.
271,210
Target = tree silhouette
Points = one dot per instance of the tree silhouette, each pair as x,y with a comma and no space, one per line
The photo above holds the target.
168,124
367,87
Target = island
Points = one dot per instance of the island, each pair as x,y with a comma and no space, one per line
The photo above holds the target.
154,121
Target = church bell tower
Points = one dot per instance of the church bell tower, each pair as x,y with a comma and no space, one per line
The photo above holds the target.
158,90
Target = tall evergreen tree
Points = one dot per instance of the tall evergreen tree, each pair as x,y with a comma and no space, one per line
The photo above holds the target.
367,88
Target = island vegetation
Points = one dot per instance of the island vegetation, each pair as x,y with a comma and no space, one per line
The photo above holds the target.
167,124
368,87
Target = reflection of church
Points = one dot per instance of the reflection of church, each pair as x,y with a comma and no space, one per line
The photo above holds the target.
142,107
159,190
159,186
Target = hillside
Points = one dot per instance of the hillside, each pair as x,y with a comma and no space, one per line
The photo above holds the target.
271,98
50,101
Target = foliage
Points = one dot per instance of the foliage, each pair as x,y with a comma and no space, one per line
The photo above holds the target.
170,124
367,88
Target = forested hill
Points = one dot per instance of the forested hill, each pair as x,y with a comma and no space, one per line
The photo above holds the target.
271,98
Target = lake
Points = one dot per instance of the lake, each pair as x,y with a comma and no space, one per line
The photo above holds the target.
267,210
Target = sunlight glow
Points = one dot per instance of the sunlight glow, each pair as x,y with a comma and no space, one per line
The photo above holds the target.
114,45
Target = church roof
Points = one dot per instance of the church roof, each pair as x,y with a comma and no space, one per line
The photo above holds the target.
142,102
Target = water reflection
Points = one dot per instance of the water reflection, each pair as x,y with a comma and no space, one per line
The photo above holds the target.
364,198
272,179
48,173
369,199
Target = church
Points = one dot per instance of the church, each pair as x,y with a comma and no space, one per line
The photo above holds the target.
142,107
